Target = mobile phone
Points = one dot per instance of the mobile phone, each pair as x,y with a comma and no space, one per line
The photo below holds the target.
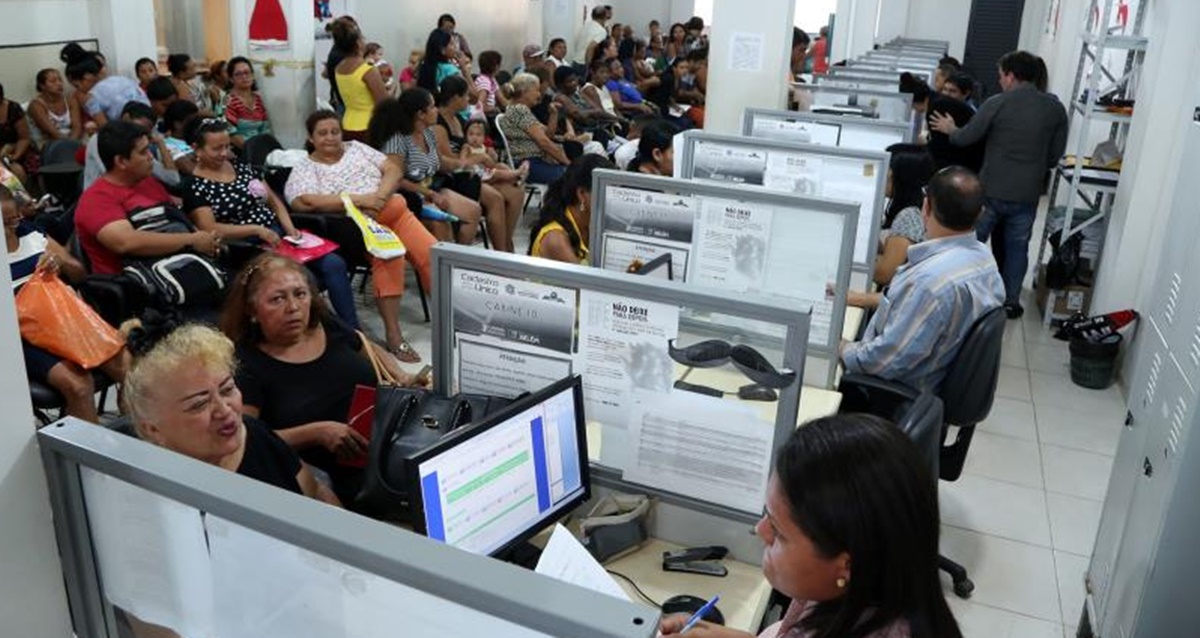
295,241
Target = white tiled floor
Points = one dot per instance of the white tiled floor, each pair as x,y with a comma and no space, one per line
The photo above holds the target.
1023,516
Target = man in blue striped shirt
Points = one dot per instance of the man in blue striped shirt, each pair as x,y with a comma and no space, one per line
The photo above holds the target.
949,282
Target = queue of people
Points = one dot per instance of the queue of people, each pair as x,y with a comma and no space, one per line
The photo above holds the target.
265,389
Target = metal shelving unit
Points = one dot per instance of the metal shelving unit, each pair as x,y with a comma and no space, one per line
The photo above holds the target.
1110,60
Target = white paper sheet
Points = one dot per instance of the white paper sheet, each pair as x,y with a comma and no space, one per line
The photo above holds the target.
703,447
728,164
152,555
794,173
622,250
649,214
565,559
486,365
622,346
746,52
513,309
854,181
732,246
806,132
866,138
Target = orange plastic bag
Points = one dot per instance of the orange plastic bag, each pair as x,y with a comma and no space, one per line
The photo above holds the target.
53,318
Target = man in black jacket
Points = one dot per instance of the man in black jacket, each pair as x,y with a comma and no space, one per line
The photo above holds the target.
1026,133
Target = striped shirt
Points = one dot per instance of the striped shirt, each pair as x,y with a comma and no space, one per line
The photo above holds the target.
419,164
24,260
923,318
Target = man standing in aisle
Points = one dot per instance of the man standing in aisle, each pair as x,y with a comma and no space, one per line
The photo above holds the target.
591,33
1026,133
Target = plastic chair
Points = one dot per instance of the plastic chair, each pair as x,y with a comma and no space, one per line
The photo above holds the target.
967,394
259,147
530,189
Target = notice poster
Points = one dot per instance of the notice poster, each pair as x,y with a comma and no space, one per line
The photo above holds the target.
726,163
791,131
628,253
657,215
793,173
732,245
513,310
854,181
623,346
485,365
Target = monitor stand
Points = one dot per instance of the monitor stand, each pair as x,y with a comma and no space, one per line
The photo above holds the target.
523,555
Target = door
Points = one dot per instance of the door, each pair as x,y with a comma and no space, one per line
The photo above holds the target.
994,29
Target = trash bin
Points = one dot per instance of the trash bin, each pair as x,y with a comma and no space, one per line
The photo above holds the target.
1093,362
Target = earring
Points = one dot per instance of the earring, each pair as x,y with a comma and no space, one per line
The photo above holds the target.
841,583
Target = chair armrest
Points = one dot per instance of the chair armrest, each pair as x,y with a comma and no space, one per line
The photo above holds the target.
114,297
873,395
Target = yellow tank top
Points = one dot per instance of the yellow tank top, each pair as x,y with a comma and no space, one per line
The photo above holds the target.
357,98
582,253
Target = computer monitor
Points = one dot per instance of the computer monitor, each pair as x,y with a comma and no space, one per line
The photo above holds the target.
490,487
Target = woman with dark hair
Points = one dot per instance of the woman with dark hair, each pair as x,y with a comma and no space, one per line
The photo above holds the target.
561,231
216,87
626,96
556,53
359,83
335,168
54,117
244,107
145,70
850,534
183,71
441,61
451,137
606,50
404,129
228,196
103,95
299,366
676,43
656,149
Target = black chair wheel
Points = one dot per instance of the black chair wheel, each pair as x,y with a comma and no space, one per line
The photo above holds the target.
964,588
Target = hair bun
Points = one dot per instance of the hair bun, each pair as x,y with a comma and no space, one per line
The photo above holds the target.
72,53
143,334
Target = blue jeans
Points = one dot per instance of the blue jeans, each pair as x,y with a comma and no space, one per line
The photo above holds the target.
1013,223
541,171
331,273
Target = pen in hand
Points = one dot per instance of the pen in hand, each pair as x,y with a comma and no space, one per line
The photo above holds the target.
700,613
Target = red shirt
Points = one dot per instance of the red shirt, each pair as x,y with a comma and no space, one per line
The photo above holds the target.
105,203
820,56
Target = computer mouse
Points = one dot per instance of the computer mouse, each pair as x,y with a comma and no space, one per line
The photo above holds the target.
686,604
755,392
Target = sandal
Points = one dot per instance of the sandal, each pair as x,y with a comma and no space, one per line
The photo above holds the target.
404,352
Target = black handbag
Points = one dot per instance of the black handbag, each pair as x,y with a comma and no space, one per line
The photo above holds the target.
407,421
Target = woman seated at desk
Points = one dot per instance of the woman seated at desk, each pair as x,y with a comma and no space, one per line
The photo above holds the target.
851,535
561,231
909,171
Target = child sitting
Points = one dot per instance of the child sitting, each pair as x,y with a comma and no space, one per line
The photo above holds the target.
491,168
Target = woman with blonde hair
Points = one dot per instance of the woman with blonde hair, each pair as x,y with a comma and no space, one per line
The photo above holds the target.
182,396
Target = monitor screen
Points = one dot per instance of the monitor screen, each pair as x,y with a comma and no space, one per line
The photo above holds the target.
504,479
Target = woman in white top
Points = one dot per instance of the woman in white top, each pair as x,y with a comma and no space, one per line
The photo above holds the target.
51,115
596,92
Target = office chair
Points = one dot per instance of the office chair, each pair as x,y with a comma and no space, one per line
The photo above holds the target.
62,175
530,189
966,394
257,148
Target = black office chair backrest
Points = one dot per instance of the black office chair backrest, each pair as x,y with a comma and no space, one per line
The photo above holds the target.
259,147
61,153
921,420
970,384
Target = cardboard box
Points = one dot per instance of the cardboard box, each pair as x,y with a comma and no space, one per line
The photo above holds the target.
1068,301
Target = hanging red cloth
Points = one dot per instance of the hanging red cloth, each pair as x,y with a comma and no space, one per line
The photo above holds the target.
267,22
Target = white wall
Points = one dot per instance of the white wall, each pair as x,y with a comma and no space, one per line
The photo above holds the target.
732,89
32,21
32,600
494,24
940,20
126,31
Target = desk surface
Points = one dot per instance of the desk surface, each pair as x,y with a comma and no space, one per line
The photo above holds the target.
744,592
